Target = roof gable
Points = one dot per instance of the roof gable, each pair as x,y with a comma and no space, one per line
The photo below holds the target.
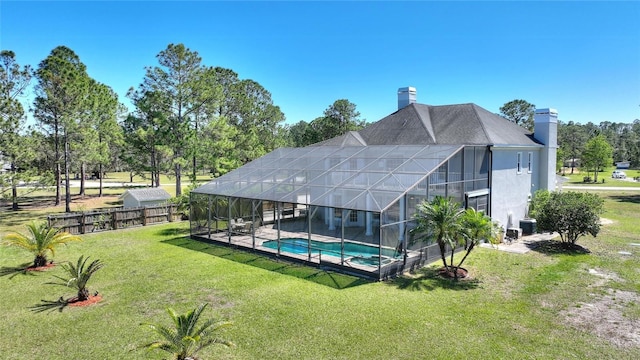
407,126
351,138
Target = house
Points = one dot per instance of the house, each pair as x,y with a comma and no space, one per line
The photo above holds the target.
4,166
623,165
144,197
348,202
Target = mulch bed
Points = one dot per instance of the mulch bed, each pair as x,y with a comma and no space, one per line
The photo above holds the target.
90,301
41,268
462,273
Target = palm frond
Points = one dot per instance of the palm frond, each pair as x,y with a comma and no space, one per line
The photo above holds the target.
186,338
40,239
78,274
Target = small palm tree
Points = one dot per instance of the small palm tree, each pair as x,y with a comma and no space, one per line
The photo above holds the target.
440,219
40,240
186,338
476,227
79,276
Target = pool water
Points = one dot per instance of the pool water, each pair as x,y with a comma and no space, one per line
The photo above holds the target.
301,246
370,261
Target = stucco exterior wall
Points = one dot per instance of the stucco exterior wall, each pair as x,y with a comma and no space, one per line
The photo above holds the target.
510,190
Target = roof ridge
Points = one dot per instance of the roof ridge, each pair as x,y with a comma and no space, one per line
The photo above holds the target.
484,129
426,123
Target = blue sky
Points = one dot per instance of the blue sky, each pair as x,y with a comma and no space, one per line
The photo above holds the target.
580,57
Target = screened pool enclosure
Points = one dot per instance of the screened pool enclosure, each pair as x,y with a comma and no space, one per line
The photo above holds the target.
349,208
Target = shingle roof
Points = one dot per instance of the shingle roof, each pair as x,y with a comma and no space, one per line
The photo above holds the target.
351,138
418,124
147,194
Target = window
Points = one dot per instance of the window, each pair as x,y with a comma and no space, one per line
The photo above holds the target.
482,204
530,165
519,159
353,217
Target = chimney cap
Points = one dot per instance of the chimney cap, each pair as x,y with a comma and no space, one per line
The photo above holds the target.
547,111
409,89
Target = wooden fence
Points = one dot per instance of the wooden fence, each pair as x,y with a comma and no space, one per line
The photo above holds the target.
112,218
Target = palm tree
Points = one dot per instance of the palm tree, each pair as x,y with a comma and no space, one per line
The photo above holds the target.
440,219
40,240
79,276
186,339
476,226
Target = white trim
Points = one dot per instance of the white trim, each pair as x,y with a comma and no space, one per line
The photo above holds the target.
530,164
476,193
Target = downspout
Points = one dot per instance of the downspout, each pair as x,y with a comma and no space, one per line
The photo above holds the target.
489,149
229,217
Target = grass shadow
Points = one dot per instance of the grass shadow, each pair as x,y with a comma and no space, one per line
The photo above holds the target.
48,305
428,279
319,276
173,232
11,218
13,271
634,199
555,247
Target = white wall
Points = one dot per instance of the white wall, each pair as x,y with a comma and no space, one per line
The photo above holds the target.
129,201
510,190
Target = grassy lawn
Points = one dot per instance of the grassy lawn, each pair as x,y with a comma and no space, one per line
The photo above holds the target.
36,205
578,176
516,306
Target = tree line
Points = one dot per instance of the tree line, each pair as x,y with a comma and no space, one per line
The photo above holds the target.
188,119
589,146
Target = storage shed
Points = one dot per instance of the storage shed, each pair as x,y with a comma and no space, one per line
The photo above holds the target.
144,197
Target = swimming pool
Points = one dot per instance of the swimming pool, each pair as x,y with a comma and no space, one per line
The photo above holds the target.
373,260
301,246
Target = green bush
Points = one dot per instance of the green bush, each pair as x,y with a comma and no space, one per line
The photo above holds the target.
570,214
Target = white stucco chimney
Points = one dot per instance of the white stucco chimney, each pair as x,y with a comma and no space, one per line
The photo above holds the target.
406,96
545,130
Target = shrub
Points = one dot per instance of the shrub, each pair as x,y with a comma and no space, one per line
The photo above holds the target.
570,214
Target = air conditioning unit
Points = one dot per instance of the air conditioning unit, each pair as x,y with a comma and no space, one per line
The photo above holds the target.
528,226
514,233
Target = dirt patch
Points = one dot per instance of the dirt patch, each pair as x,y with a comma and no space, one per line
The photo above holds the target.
604,221
604,316
78,203
604,277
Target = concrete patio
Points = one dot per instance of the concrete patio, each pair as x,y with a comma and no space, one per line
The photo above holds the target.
523,245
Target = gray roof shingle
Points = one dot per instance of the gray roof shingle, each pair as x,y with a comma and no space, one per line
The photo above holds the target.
418,124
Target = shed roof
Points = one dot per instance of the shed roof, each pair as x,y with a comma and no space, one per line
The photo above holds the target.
149,194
